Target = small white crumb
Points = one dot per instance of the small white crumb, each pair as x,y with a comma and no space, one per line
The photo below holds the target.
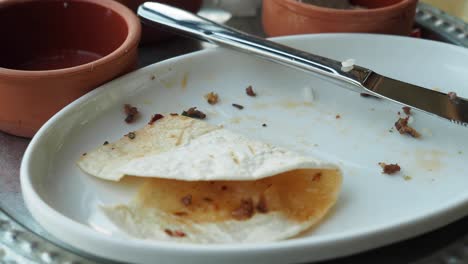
347,69
308,94
348,63
410,120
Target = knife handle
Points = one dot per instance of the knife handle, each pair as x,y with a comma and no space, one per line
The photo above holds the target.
186,23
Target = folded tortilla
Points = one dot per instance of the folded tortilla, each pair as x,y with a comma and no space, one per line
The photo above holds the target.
209,185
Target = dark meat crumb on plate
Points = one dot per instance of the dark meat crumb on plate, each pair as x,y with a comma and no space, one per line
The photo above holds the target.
84,154
186,200
244,211
338,116
402,126
389,168
238,106
131,113
174,114
264,125
155,118
262,206
212,98
406,110
194,113
175,233
131,135
180,213
105,143
249,91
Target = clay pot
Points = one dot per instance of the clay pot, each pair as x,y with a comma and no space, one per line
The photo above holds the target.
289,17
52,52
151,34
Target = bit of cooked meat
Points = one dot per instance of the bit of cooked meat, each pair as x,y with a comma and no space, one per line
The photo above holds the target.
155,118
131,135
238,106
194,113
389,168
262,205
211,98
244,211
105,143
338,116
180,213
131,112
186,200
175,233
402,126
317,176
406,110
249,91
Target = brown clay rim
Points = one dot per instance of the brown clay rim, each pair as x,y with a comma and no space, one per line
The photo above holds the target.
132,39
314,10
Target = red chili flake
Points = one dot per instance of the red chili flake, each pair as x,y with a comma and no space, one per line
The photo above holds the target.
238,106
244,211
402,126
175,233
317,176
105,143
389,168
131,112
406,110
249,91
155,118
181,213
194,113
186,200
262,205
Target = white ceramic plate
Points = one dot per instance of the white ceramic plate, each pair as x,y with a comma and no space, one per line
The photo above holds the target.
373,210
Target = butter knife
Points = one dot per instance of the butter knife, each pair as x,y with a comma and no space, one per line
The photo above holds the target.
356,78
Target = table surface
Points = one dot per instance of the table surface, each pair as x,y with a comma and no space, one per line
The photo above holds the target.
445,245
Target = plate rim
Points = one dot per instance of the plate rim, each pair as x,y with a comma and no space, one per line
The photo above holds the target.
451,210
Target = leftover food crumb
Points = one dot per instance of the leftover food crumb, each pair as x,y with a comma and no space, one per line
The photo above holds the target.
407,177
180,213
317,176
406,110
402,126
264,125
174,114
262,205
131,112
389,168
194,113
452,96
155,118
338,116
84,154
131,135
244,211
175,233
186,200
249,91
105,143
153,77
238,106
211,98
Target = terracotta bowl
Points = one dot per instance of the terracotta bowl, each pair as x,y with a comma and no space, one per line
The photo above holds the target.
289,17
52,52
151,34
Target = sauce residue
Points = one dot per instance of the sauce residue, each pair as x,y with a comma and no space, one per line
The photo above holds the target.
299,194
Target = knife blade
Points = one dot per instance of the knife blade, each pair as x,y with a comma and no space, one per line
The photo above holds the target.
358,79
